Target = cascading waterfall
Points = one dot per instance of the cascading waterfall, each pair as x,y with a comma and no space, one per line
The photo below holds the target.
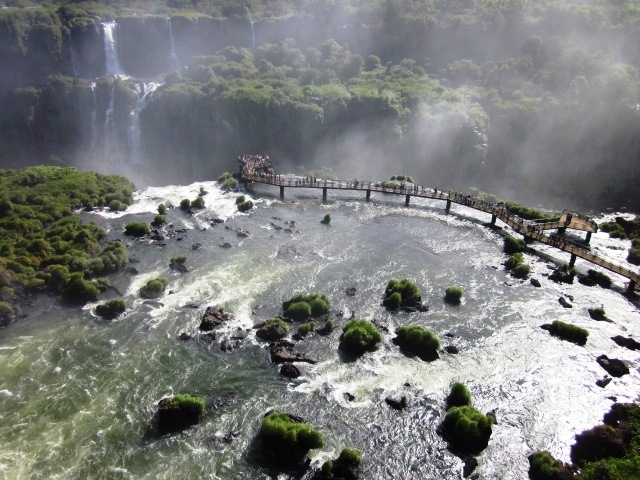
173,58
109,145
111,49
94,119
72,54
143,91
253,33
193,119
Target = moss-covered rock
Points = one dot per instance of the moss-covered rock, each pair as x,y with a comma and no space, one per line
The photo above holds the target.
402,294
359,336
273,329
136,229
453,295
345,467
179,412
301,307
111,309
154,288
568,332
287,437
466,429
417,340
459,396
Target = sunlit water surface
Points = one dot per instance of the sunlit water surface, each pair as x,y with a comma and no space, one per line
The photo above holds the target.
78,394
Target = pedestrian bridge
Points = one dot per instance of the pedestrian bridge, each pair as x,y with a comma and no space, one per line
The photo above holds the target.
531,230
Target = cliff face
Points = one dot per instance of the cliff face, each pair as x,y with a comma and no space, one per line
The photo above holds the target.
507,104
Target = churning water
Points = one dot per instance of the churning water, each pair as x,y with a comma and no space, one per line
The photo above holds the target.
78,394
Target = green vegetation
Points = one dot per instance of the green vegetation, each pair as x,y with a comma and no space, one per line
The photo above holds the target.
301,307
42,243
305,328
623,228
178,259
543,466
521,271
402,178
400,294
571,333
184,401
245,206
513,245
159,220
198,202
162,209
288,438
419,341
185,204
240,199
528,213
327,219
359,336
466,429
453,295
278,321
459,396
154,288
594,277
343,467
136,229
111,309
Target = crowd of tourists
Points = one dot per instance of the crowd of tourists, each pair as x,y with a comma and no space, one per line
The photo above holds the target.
251,164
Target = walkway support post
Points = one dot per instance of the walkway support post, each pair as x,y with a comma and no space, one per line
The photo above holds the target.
588,238
281,192
572,261
632,286
368,195
561,230
493,218
324,194
406,199
448,207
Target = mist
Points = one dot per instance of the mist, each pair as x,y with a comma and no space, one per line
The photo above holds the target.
532,101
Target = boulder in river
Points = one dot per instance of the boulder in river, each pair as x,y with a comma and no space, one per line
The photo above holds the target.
626,342
613,366
179,412
283,351
214,317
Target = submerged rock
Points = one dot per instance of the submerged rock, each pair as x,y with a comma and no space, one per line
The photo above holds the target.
397,404
626,342
535,282
289,370
563,301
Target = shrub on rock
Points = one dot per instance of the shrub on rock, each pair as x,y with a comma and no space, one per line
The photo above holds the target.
111,309
521,271
453,295
80,290
345,467
513,245
466,429
154,288
273,329
514,260
306,328
459,396
179,412
185,204
287,437
302,307
159,220
240,199
136,229
401,293
245,206
358,336
566,331
419,341
327,219
198,202
162,209
543,466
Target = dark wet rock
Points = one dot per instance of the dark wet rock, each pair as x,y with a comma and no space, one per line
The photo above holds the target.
132,270
216,221
226,245
493,415
535,282
156,237
598,314
288,251
563,301
603,382
191,305
450,335
376,323
561,276
289,370
228,437
229,344
349,396
613,366
213,317
271,332
283,352
470,464
210,336
196,246
397,404
276,226
626,342
350,291
185,336
451,349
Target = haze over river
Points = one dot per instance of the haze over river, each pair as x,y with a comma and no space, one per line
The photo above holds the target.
78,394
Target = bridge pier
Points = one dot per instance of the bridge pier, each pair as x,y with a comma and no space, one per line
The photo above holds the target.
406,200
448,207
562,230
324,194
368,195
632,286
494,217
572,261
281,192
587,238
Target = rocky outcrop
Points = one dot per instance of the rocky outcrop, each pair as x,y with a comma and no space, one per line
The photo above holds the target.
214,317
626,342
563,301
283,352
271,331
289,370
613,366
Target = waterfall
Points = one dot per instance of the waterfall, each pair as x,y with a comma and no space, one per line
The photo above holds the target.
143,91
111,49
110,146
253,33
173,58
72,52
94,120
